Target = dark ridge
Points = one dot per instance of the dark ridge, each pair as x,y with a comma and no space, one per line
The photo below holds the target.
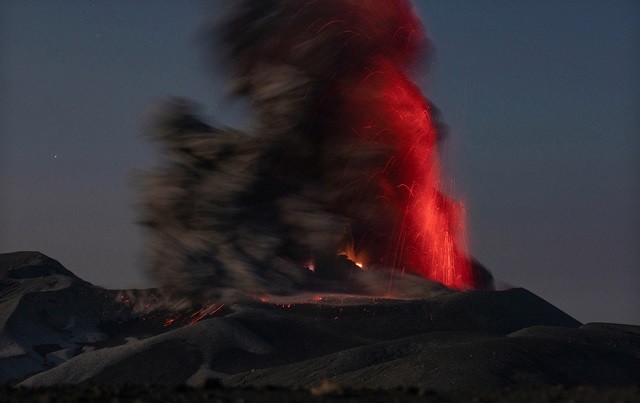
30,264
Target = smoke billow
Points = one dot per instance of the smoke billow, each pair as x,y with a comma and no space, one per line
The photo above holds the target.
343,159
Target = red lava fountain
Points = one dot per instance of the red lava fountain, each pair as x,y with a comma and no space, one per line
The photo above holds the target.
383,107
429,235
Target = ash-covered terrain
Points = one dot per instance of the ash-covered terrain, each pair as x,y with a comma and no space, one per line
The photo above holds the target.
58,329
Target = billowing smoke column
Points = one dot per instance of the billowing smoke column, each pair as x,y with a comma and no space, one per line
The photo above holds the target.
344,158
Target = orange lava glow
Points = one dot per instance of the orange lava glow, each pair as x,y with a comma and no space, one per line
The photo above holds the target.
358,257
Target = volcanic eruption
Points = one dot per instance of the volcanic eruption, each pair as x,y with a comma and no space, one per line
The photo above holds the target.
343,160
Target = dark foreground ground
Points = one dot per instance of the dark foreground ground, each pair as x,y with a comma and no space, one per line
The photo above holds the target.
325,393
447,345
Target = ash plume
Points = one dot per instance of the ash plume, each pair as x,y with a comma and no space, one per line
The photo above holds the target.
343,159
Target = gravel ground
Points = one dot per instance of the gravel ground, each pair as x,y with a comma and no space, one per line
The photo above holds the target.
327,393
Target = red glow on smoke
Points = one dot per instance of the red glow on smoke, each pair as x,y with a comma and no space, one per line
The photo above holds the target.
426,233
429,232
431,239
372,140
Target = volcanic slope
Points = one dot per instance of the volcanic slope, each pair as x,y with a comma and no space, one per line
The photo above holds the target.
48,315
446,341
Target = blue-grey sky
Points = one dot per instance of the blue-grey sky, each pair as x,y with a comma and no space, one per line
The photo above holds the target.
542,99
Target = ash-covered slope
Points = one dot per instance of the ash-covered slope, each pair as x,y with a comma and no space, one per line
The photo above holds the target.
445,360
48,315
447,340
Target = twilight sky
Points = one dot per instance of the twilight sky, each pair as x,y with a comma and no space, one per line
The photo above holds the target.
542,99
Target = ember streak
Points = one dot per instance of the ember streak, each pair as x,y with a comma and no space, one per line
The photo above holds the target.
343,161
427,235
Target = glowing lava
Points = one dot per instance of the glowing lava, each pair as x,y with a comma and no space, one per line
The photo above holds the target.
431,238
354,254
424,230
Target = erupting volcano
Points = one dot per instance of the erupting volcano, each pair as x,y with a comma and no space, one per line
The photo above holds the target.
343,160
312,256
